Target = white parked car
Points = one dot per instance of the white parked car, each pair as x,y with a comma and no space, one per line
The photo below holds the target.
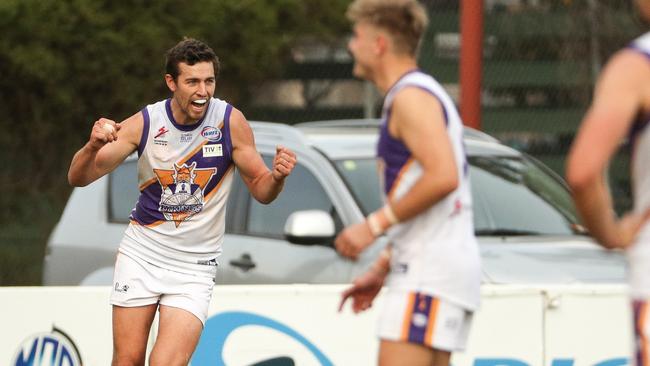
526,224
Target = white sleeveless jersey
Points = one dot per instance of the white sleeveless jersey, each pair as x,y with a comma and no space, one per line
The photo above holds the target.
436,251
184,175
639,252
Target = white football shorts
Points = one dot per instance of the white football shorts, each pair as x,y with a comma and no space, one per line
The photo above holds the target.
138,283
423,319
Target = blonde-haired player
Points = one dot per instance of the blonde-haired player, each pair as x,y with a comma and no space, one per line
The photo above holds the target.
433,272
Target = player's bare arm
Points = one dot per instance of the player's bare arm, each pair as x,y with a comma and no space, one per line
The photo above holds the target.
621,93
423,131
366,287
264,184
109,144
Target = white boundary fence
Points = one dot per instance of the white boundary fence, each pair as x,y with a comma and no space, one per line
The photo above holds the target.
516,326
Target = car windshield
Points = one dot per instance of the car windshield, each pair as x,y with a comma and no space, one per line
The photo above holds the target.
511,195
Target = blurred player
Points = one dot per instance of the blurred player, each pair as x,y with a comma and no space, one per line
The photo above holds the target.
433,272
620,108
188,146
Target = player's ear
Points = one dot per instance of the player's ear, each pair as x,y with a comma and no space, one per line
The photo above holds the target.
171,83
381,44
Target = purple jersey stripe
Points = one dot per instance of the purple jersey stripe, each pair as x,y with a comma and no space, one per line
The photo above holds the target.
146,211
638,126
221,163
226,129
419,318
394,152
395,156
145,131
215,181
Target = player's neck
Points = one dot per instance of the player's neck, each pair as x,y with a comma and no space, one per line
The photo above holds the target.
180,116
392,70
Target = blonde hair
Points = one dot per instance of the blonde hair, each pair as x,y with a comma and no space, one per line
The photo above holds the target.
405,20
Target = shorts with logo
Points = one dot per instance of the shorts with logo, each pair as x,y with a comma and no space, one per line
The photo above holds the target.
138,283
423,319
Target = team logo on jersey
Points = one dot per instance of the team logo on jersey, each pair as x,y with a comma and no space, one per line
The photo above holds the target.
211,133
182,191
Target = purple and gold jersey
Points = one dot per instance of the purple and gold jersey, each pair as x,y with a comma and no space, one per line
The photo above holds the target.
184,176
435,252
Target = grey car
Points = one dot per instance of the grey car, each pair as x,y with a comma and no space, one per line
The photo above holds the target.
527,227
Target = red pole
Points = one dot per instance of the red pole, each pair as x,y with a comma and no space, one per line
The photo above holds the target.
471,61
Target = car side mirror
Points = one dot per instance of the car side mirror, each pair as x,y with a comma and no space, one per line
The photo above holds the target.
309,227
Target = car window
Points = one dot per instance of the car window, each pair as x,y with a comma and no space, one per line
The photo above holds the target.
360,175
513,196
302,191
122,191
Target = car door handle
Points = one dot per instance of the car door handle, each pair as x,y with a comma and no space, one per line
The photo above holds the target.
244,262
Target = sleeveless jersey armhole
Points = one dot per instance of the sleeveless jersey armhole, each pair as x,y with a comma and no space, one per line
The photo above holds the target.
226,127
145,131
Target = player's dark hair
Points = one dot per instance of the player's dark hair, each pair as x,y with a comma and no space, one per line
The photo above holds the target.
189,51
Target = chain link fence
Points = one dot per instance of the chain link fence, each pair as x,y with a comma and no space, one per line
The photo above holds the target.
540,62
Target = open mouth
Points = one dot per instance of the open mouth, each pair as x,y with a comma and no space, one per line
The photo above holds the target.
199,103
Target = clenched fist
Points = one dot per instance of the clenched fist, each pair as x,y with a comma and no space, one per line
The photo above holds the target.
283,162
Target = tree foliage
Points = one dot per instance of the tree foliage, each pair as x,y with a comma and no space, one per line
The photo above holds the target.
66,63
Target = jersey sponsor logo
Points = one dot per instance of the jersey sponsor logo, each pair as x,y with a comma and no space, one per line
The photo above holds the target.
211,133
47,349
182,191
210,151
161,132
186,137
160,138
